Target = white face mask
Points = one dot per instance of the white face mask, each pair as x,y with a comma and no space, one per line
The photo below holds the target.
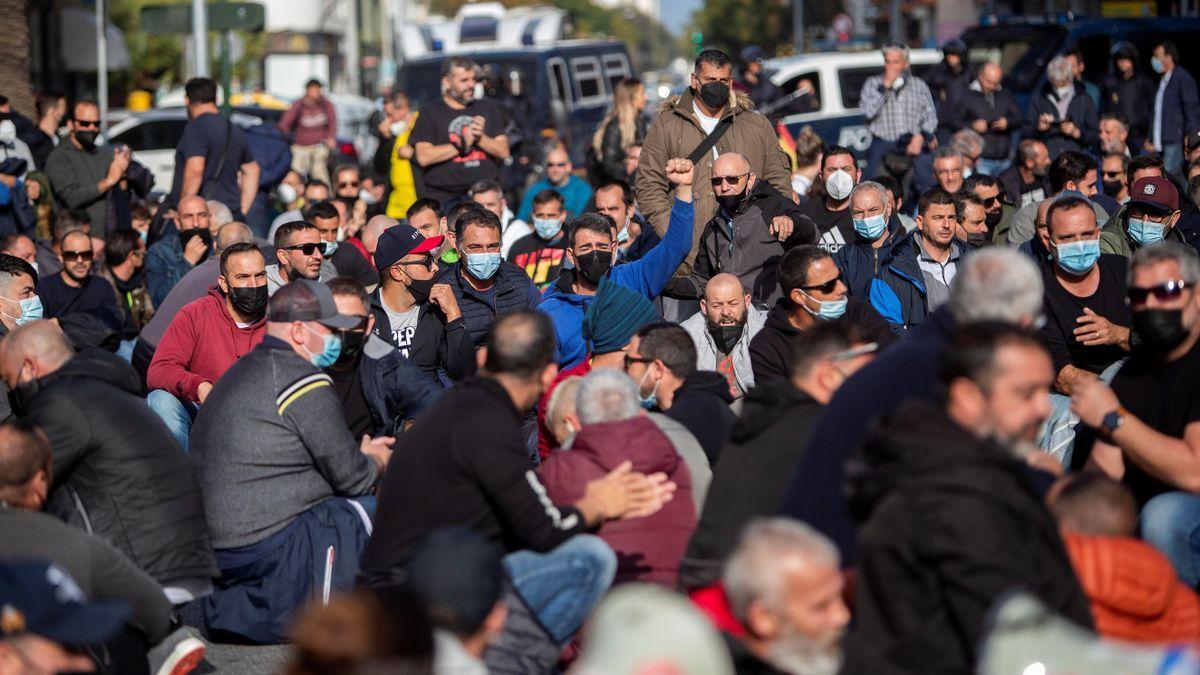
398,127
287,193
839,185
801,184
367,197
478,91
8,131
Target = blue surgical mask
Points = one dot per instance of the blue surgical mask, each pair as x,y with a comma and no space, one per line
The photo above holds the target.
623,234
547,228
330,351
829,310
871,227
1145,232
331,247
31,310
648,402
482,265
1157,65
1077,257
143,235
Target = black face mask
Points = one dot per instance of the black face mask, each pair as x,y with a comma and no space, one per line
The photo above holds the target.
352,346
249,302
187,235
726,337
993,219
1159,330
1113,187
593,266
733,203
977,239
420,289
715,94
87,139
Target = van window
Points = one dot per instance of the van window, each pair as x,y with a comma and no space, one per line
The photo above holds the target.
851,81
152,135
1095,57
558,80
814,77
1022,50
588,86
616,68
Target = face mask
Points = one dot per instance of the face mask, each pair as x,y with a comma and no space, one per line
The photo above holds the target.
871,227
477,95
249,302
1063,92
1145,232
31,310
367,197
286,193
801,184
186,237
1077,257
993,219
398,127
547,228
482,265
330,350
733,203
141,235
593,266
34,264
648,402
967,172
976,239
23,396
1159,330
331,247
87,139
8,132
352,345
726,337
420,289
623,235
839,185
1156,65
829,310
1113,187
715,94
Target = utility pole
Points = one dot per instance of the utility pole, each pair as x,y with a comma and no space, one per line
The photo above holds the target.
353,61
896,22
102,64
200,36
798,25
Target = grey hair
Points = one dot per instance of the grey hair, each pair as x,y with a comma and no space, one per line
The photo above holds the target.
1060,70
894,47
947,151
606,395
756,568
563,400
967,142
218,213
233,233
1183,255
885,195
996,284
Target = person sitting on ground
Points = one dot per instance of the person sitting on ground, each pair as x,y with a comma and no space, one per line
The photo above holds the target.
722,330
299,254
75,289
172,256
347,261
1150,216
542,253
124,269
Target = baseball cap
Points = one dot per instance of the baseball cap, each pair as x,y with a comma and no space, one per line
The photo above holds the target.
41,598
307,300
459,575
401,240
1155,193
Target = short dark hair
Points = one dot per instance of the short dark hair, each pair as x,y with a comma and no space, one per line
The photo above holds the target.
835,150
314,82
485,185
972,352
891,184
1151,160
201,90
1091,503
423,204
935,196
669,343
592,222
794,266
351,288
1124,162
464,62
283,235
82,101
1069,167
548,195
323,209
626,191
1116,117
11,265
21,459
711,57
477,216
1170,50
47,99
821,341
521,343
119,245
237,249
1068,203
980,180
315,182
960,203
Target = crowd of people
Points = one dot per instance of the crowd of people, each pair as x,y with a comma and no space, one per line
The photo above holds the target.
701,404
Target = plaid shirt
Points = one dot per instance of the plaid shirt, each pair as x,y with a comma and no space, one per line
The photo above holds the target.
891,114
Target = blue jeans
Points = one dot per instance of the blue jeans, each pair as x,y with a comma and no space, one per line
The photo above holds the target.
562,586
1171,523
990,167
1172,156
177,415
125,350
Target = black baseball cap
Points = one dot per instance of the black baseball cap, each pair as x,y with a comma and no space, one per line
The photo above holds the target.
41,598
400,240
307,300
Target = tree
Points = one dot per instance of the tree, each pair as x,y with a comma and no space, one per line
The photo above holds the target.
731,25
14,55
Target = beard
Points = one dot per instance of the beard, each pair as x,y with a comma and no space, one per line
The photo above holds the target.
799,654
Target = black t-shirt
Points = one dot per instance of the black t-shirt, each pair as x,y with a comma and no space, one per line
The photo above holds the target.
348,384
540,259
1163,395
439,124
206,136
1062,309
836,227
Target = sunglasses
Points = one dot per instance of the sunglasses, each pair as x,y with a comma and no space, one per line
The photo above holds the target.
349,185
427,262
1112,174
69,256
307,249
557,165
1165,291
88,124
359,327
732,180
991,201
826,287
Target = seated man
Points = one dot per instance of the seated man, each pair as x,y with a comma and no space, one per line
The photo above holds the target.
299,254
542,253
117,470
767,442
75,289
1115,236
1150,216
635,236
207,337
995,383
877,227
171,257
971,221
276,463
615,429
488,194
662,360
575,191
381,391
813,291
347,261
722,331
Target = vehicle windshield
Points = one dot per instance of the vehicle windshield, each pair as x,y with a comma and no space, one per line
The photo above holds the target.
423,81
1021,51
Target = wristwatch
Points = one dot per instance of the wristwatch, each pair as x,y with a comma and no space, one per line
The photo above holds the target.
1111,422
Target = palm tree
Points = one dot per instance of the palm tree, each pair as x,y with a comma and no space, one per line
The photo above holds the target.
14,55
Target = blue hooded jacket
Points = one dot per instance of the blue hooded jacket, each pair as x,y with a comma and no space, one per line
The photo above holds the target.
857,261
898,291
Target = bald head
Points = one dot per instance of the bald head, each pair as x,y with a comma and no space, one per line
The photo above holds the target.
233,233
725,302
561,410
558,166
369,235
33,351
990,76
735,170
730,162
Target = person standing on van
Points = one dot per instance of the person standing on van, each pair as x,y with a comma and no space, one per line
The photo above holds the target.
457,139
899,110
313,124
1176,106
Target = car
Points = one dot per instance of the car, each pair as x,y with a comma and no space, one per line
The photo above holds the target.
837,79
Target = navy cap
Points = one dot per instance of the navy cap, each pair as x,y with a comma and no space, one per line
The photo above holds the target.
459,575
41,598
308,300
400,240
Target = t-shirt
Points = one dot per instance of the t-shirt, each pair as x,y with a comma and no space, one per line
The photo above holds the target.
205,136
1166,397
439,124
404,326
1033,192
348,384
836,228
707,124
1063,308
540,259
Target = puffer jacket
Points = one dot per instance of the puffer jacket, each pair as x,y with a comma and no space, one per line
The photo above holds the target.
395,389
513,290
860,261
1080,110
118,472
648,549
898,291
676,133
706,350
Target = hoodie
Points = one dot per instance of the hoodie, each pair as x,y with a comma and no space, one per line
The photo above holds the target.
648,549
702,405
200,345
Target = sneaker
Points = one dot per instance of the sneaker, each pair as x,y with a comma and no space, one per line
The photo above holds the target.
178,654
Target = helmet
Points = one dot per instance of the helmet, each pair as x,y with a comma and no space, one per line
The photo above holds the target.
1124,50
753,53
955,46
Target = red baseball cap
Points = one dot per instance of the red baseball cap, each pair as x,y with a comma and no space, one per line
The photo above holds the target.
1154,193
400,240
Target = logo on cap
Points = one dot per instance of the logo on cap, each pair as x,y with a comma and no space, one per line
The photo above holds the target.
1148,189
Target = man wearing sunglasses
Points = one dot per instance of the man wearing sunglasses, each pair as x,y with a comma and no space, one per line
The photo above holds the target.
75,289
299,254
1147,421
1113,172
998,214
576,192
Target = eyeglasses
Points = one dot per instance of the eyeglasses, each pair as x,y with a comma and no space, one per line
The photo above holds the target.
636,359
1165,291
1112,174
307,249
88,124
557,165
427,262
732,180
826,287
69,256
990,201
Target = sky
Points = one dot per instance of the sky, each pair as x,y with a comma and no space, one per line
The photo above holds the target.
676,13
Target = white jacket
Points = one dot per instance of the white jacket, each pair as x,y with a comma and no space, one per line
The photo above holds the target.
707,354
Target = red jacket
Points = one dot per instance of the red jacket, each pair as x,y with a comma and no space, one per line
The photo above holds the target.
648,549
201,343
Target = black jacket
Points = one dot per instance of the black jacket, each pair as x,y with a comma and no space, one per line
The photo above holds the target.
118,472
702,405
1010,180
972,104
1080,110
395,389
610,165
755,468
771,349
513,290
1133,99
949,524
349,262
436,345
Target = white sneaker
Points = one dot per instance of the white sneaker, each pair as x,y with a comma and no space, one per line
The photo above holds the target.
178,654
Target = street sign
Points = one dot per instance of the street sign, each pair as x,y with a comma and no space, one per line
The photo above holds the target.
222,16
